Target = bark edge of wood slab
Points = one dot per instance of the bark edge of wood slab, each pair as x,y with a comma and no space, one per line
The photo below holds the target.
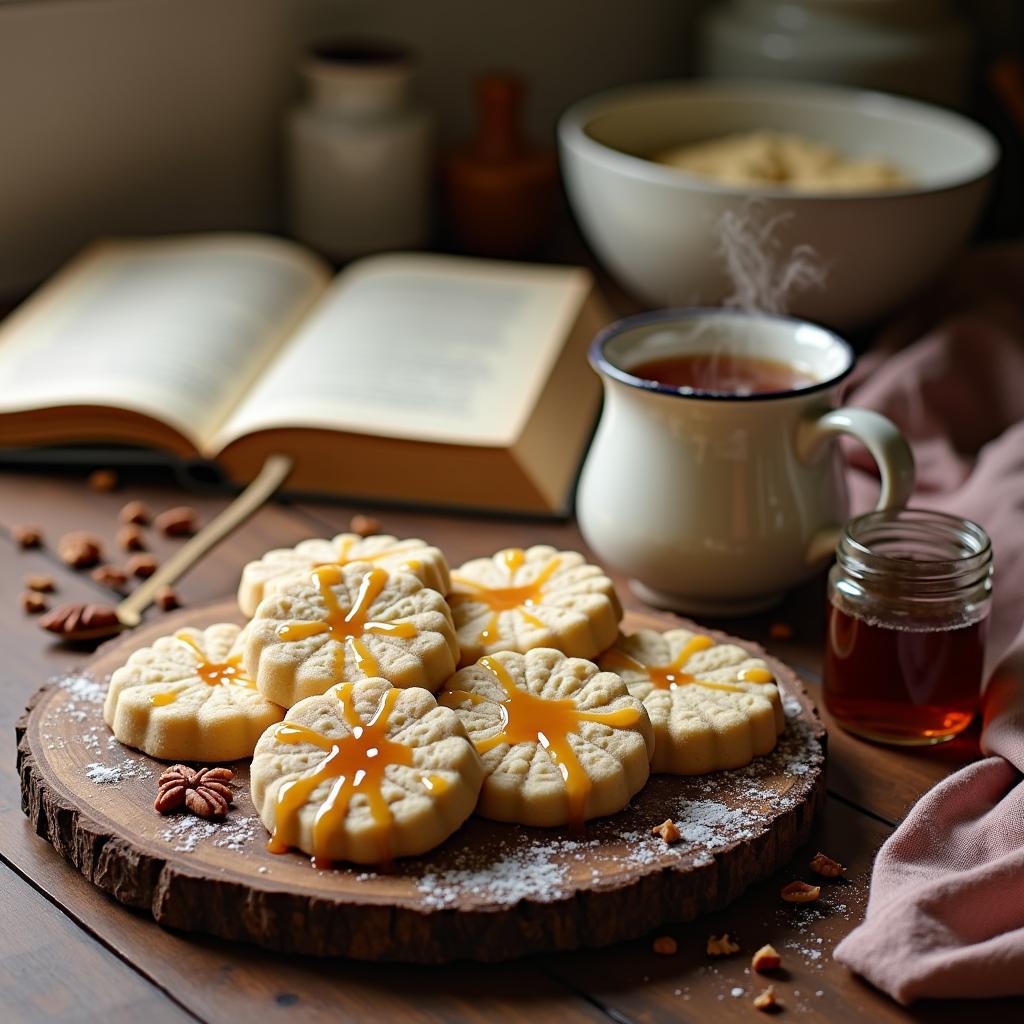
112,835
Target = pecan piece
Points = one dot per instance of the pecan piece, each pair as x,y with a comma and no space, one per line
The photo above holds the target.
131,538
668,831
103,481
205,792
722,945
33,602
142,565
176,522
766,1001
40,583
665,945
79,550
27,536
365,526
166,599
800,892
110,576
780,631
826,866
135,513
766,959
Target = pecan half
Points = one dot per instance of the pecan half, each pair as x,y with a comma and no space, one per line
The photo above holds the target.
176,522
205,791
131,538
79,550
135,513
27,536
33,602
110,576
142,565
40,583
76,618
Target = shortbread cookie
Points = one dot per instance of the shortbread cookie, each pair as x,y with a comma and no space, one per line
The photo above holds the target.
282,565
342,623
188,698
518,600
713,705
365,773
561,741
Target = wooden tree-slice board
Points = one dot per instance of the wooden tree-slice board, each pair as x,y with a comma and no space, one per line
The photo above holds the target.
491,892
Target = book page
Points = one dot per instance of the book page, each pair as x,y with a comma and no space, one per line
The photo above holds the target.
427,347
175,328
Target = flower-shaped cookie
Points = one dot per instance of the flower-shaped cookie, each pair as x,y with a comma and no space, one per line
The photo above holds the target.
561,741
365,772
188,698
416,557
518,600
713,705
342,623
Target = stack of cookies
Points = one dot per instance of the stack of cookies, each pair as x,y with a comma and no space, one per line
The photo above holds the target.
383,698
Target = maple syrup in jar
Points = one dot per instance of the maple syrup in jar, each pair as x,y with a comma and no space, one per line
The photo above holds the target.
909,597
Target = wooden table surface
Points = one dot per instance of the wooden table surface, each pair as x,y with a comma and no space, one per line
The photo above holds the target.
69,952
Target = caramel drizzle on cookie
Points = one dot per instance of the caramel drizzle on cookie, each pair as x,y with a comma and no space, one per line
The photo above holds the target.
213,673
528,718
356,764
672,675
345,556
503,599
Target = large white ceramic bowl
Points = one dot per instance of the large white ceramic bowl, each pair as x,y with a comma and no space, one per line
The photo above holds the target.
657,228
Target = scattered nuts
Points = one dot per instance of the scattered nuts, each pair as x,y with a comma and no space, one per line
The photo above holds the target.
167,599
722,945
800,892
766,959
40,583
365,526
766,1001
665,945
79,550
131,538
103,481
205,792
27,536
135,512
668,831
780,631
176,522
110,576
826,866
33,602
80,618
142,565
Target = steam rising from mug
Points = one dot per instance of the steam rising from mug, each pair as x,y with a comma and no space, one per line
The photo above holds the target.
762,275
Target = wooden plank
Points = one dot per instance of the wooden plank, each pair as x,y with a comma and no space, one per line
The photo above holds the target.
50,970
634,982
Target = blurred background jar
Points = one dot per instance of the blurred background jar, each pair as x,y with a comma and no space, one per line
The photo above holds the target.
359,153
909,597
916,48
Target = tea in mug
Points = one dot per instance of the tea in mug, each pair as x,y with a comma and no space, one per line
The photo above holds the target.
724,373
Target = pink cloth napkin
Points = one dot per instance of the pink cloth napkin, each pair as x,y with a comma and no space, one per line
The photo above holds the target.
945,916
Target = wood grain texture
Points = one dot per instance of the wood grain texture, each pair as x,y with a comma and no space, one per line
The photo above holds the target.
231,887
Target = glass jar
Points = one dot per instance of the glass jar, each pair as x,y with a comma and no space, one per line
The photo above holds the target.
909,597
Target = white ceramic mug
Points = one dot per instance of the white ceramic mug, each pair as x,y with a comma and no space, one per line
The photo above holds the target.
720,503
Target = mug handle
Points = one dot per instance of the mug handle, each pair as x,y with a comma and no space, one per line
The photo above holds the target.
888,447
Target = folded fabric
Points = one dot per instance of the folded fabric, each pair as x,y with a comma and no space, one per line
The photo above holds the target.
945,915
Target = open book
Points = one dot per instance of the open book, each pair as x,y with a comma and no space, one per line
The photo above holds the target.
408,377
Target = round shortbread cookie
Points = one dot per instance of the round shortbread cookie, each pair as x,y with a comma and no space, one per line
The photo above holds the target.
188,698
518,600
365,773
561,741
342,623
713,705
264,576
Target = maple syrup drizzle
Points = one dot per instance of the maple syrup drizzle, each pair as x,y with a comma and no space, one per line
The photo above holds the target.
356,762
502,599
342,623
213,673
668,677
345,557
527,718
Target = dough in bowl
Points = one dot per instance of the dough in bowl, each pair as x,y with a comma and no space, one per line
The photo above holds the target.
561,741
713,705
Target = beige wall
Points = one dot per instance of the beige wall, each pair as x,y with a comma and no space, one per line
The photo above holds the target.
155,115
